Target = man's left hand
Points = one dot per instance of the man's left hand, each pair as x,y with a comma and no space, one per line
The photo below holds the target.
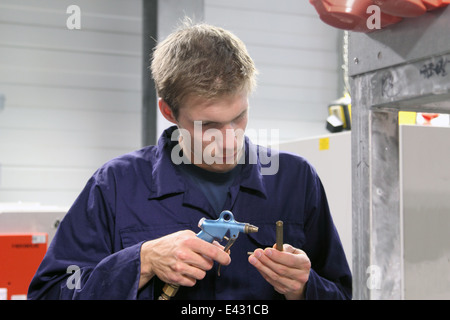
287,271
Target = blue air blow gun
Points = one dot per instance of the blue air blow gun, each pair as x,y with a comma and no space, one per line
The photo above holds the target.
215,230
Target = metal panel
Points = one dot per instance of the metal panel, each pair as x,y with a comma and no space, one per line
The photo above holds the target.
149,96
409,40
425,175
400,68
361,199
385,227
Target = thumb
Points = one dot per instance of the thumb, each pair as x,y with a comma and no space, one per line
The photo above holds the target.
290,249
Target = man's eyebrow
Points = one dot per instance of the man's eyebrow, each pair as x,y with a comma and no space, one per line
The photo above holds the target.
241,114
221,122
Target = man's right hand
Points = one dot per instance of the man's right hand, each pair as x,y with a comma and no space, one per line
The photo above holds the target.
179,258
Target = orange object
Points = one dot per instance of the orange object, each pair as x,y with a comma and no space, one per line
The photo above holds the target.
20,256
354,15
432,4
435,4
428,117
402,8
349,15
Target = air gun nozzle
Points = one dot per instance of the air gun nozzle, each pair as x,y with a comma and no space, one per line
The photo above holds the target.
250,228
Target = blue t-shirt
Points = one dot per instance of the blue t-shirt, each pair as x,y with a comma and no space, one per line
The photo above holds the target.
214,185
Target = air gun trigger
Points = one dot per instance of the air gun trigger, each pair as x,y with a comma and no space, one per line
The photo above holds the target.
229,244
226,249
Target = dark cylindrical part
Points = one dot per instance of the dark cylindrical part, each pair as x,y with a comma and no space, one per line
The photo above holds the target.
279,235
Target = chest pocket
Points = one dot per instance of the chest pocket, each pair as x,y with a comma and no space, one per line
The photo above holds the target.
293,234
132,236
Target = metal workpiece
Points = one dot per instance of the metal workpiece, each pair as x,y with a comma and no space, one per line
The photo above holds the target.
169,291
405,67
250,228
279,235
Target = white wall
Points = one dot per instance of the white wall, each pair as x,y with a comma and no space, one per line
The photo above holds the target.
426,211
297,58
331,156
73,97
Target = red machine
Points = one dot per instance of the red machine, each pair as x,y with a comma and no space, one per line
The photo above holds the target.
20,256
356,15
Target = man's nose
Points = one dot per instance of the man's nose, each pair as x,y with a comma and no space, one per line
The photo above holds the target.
230,138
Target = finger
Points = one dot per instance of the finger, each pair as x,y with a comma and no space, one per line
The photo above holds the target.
255,260
187,256
288,248
285,272
280,283
217,244
221,247
211,251
180,280
290,257
279,263
264,264
187,272
190,275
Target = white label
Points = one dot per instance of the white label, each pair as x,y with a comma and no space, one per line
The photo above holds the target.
3,293
38,238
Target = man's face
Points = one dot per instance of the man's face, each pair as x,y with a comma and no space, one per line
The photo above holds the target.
214,130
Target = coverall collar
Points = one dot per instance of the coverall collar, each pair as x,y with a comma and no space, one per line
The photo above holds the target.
167,179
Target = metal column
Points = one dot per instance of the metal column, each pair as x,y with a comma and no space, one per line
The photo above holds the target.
149,98
405,67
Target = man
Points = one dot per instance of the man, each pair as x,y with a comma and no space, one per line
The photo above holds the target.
133,228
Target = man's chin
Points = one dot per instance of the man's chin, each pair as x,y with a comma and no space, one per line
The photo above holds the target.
219,167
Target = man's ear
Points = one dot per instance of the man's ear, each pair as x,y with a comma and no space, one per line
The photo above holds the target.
166,111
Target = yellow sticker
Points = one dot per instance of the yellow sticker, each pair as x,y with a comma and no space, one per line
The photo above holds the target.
324,143
406,117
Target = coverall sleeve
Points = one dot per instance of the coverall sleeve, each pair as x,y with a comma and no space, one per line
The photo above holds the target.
330,276
83,261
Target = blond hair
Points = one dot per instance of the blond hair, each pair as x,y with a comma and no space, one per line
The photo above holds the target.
201,60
